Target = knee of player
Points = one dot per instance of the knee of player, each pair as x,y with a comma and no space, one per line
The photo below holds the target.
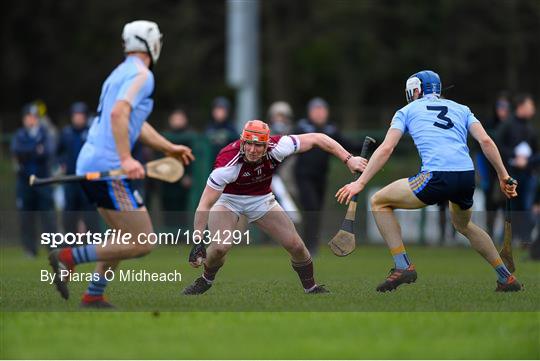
141,250
295,246
219,250
460,227
376,201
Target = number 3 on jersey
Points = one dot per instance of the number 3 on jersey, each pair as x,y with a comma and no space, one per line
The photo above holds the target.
442,115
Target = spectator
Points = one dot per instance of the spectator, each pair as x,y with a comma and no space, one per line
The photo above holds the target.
488,178
280,117
77,206
535,247
45,120
220,130
312,167
518,143
175,196
53,137
31,150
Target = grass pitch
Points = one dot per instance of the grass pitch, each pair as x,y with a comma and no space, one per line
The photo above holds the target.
256,309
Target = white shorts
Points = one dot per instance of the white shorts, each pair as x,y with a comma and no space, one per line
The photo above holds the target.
253,207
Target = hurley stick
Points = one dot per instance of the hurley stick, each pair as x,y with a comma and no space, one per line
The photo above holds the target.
167,169
344,241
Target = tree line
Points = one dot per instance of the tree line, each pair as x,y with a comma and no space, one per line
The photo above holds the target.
355,53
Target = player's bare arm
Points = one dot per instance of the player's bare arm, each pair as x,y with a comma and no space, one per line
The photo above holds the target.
310,140
120,129
207,201
152,138
492,154
377,161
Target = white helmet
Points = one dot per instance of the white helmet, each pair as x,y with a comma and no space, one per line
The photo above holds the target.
142,35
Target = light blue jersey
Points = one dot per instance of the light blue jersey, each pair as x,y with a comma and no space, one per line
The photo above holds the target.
132,82
439,128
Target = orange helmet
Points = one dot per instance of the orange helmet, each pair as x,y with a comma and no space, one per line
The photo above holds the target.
256,131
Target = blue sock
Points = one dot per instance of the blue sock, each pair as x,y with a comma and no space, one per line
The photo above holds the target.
502,273
400,257
84,254
96,288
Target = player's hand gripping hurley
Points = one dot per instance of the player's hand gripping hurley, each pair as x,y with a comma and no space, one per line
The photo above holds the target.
197,255
167,169
344,241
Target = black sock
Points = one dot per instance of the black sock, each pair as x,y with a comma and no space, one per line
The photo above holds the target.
209,273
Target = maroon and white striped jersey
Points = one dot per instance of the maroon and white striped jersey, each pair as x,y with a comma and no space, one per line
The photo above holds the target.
234,176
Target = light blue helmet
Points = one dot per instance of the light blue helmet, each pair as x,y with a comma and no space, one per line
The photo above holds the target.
426,81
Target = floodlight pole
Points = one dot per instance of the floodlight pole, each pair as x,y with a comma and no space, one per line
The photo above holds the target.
243,57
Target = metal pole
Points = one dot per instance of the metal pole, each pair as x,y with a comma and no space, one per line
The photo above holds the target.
243,57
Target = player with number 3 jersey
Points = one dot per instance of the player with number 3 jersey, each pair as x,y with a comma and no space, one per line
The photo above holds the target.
439,129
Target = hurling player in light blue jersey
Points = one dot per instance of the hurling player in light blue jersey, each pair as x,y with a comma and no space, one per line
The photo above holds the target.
124,105
439,129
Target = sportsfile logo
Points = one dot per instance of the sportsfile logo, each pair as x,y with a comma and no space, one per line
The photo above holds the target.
113,236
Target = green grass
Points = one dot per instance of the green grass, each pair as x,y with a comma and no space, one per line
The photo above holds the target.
261,279
271,335
457,313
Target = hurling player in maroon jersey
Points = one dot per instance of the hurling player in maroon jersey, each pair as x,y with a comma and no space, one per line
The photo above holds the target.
240,185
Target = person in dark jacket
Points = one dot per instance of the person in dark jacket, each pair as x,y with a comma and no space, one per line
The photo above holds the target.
77,206
220,130
175,196
535,247
31,150
311,169
518,142
488,178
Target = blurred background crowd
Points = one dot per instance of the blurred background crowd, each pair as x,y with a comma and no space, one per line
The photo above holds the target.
39,147
337,67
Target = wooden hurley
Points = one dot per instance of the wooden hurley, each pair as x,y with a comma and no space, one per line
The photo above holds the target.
344,241
167,169
506,250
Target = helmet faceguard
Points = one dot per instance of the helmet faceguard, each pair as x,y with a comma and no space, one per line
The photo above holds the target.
257,132
426,81
143,36
413,83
